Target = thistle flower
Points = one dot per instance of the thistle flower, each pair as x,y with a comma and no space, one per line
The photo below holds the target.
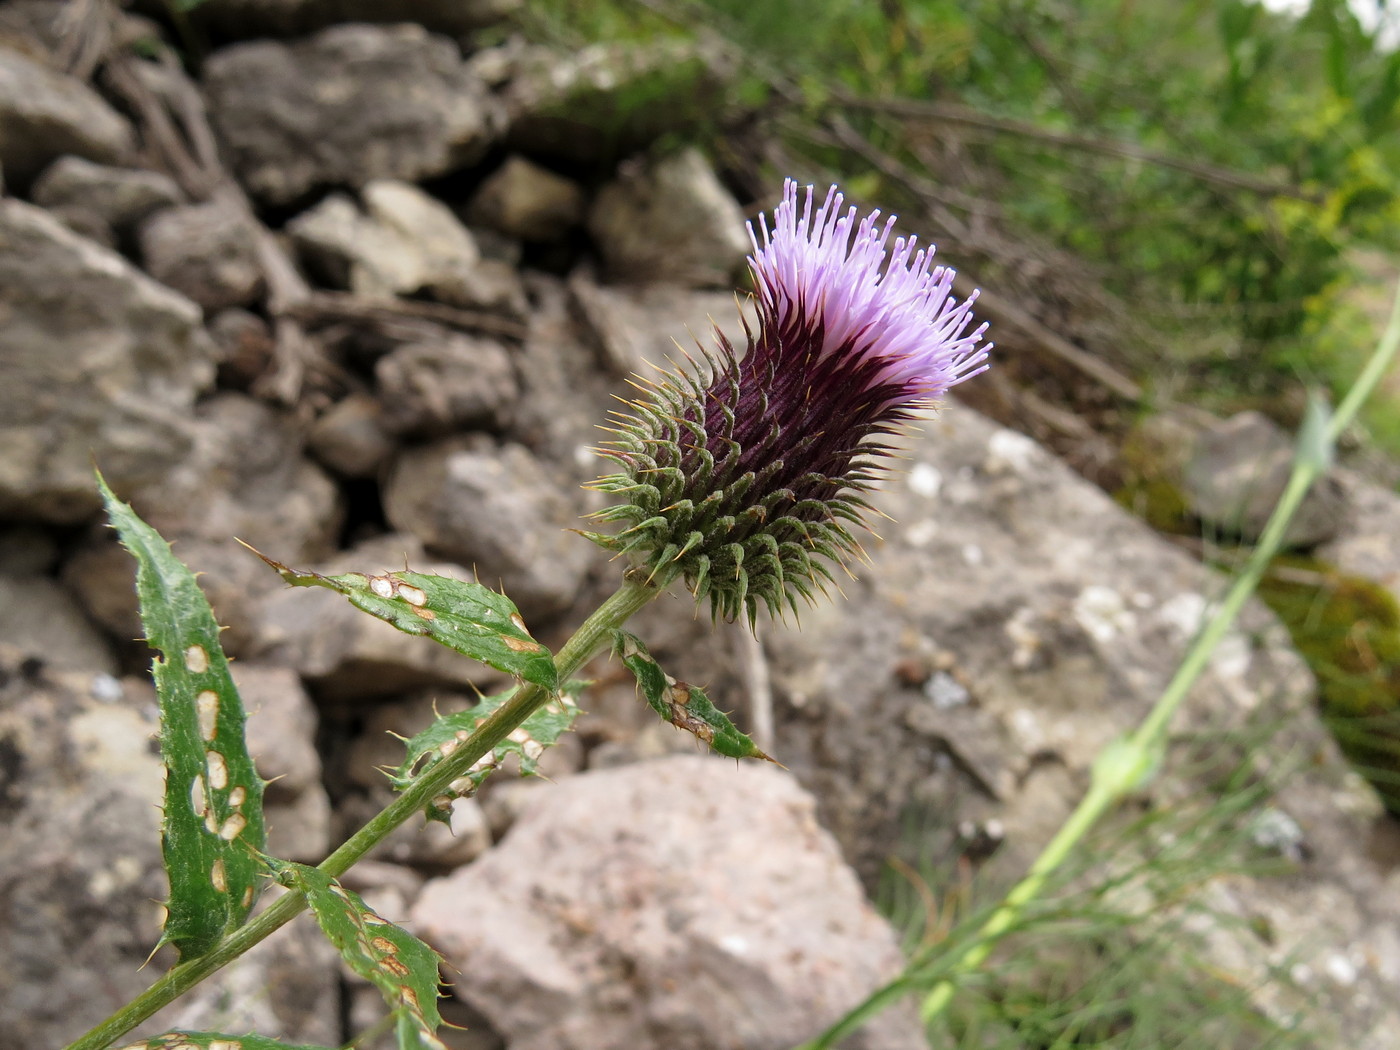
744,473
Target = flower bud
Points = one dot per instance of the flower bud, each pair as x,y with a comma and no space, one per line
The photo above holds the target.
743,473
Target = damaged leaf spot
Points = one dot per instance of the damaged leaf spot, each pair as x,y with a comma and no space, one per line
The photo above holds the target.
218,875
206,709
218,770
233,827
412,594
521,645
197,801
196,659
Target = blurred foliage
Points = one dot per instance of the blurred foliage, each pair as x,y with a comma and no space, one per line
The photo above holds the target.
1123,951
1348,629
1215,164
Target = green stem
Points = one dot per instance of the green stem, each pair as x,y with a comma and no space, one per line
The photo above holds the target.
1124,765
592,636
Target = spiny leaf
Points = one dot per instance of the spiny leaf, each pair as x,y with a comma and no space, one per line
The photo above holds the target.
403,968
541,730
214,1041
466,617
684,706
213,822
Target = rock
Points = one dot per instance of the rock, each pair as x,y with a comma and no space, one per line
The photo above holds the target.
80,904
606,101
564,394
1237,473
715,885
351,104
244,480
42,620
523,200
641,328
498,510
119,197
492,286
241,19
351,439
347,655
670,221
205,251
246,477
1368,541
435,388
246,347
281,735
45,114
404,242
102,365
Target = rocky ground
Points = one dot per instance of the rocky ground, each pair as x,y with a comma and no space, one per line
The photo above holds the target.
358,293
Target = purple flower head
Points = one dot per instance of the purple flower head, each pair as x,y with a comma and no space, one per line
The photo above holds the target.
745,477
852,299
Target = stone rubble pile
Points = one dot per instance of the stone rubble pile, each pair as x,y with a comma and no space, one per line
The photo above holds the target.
359,292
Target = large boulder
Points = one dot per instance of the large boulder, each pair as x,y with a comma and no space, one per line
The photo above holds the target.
350,104
680,904
101,366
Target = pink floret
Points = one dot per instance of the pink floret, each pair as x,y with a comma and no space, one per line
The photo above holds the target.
824,275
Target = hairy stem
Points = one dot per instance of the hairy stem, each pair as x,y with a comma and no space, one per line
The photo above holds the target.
590,638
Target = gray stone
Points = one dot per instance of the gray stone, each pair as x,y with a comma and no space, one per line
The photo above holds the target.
602,101
715,885
101,365
492,286
434,388
499,510
670,221
205,251
281,735
351,104
403,242
351,438
347,655
1368,541
522,199
645,327
246,477
41,619
119,197
45,114
1237,472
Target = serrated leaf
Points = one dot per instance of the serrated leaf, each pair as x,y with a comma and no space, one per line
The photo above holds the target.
529,741
403,968
685,706
214,1041
466,617
212,828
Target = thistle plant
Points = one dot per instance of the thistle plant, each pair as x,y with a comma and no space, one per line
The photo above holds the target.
744,473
